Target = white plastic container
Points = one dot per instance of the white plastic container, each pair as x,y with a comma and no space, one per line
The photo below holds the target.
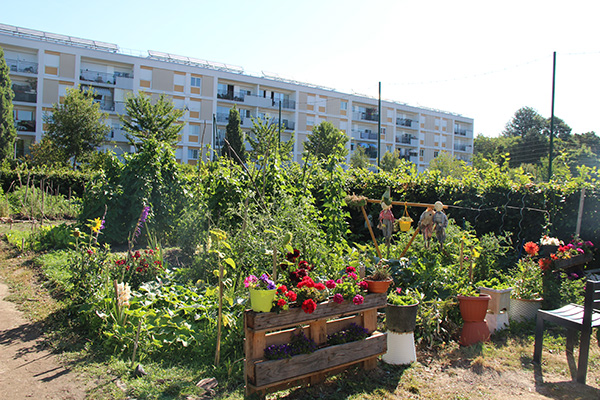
400,348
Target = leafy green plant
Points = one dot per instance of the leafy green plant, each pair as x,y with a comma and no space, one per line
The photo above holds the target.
399,298
526,279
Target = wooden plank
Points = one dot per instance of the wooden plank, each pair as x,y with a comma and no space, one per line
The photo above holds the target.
337,325
370,320
295,316
402,203
275,371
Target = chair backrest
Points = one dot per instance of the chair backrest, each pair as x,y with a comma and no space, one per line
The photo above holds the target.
592,295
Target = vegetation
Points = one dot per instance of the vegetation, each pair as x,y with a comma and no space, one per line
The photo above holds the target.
325,141
77,126
234,146
8,133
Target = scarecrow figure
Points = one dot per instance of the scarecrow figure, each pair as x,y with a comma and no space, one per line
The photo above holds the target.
426,225
386,216
441,222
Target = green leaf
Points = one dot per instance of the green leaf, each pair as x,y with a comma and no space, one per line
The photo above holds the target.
230,262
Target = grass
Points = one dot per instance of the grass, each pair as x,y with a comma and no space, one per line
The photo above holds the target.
499,369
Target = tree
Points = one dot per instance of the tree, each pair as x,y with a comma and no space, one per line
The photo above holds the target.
264,141
325,140
77,126
390,161
234,138
145,120
359,158
45,152
448,165
8,133
526,119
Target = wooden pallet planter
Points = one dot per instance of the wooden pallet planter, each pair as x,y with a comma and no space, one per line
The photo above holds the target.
265,329
573,261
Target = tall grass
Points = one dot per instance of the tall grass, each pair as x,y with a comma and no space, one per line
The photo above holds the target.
35,203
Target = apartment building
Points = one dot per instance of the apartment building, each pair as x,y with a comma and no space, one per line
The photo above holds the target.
43,65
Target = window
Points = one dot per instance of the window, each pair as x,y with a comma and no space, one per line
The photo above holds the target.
435,154
196,82
194,129
310,120
344,105
192,154
421,153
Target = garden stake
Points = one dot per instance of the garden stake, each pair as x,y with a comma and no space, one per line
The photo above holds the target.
135,343
218,352
410,242
370,230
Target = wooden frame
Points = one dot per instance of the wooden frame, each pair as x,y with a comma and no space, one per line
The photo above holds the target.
265,329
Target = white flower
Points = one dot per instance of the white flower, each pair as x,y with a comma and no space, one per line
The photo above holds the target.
550,241
123,294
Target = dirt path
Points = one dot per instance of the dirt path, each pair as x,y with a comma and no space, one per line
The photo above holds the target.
27,369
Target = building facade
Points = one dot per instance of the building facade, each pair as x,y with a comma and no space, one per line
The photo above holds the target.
43,65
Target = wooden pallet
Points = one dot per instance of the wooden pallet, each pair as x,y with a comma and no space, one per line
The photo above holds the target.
266,329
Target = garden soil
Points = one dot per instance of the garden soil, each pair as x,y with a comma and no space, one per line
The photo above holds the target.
27,369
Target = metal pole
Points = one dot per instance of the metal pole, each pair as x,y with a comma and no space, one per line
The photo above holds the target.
580,212
379,127
552,119
214,137
279,120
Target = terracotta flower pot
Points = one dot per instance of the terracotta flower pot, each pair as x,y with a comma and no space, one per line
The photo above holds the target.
473,310
378,286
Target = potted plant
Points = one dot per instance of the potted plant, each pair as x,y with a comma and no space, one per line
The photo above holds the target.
499,291
347,287
400,320
527,283
578,252
380,278
473,308
262,292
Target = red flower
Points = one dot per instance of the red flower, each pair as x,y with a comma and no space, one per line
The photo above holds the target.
531,248
358,299
553,256
309,306
350,269
330,284
545,263
281,302
353,275
319,286
303,265
137,255
306,281
363,285
282,289
291,295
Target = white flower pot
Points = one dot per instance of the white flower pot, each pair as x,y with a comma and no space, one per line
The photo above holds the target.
400,348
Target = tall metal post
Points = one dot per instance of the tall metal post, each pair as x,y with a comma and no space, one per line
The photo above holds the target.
379,128
279,120
552,120
214,137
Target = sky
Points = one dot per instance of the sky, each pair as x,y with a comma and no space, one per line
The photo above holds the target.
481,59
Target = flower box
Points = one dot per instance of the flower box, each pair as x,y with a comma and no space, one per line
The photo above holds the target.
573,261
266,329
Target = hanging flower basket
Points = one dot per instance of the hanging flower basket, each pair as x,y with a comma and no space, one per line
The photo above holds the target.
405,221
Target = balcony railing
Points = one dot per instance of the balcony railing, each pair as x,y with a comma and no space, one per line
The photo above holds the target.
224,119
22,66
268,102
106,105
25,126
24,93
406,139
233,96
462,132
285,124
104,77
406,122
365,135
461,147
366,116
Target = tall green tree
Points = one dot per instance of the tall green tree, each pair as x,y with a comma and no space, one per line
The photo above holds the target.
147,119
526,119
448,165
359,158
234,138
77,126
326,140
8,132
390,161
264,141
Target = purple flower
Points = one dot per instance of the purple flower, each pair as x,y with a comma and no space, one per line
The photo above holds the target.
590,244
144,215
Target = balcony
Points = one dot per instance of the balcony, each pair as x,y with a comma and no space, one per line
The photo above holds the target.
25,126
461,147
370,114
368,135
24,92
122,80
223,118
106,105
230,95
405,139
27,67
409,123
285,124
462,131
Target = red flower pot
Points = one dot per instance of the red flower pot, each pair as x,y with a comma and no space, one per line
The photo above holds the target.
473,310
378,286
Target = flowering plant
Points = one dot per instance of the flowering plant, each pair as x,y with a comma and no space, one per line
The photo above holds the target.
396,298
577,247
283,298
550,241
264,282
348,287
352,333
526,277
299,344
139,267
309,293
381,271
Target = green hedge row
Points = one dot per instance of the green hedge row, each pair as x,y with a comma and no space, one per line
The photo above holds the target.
64,181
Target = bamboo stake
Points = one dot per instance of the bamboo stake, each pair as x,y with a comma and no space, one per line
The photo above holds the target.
370,230
218,351
410,242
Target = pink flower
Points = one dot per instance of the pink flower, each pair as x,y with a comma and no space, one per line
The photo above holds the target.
350,269
353,275
363,285
398,290
358,299
338,298
330,284
250,281
580,251
339,280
